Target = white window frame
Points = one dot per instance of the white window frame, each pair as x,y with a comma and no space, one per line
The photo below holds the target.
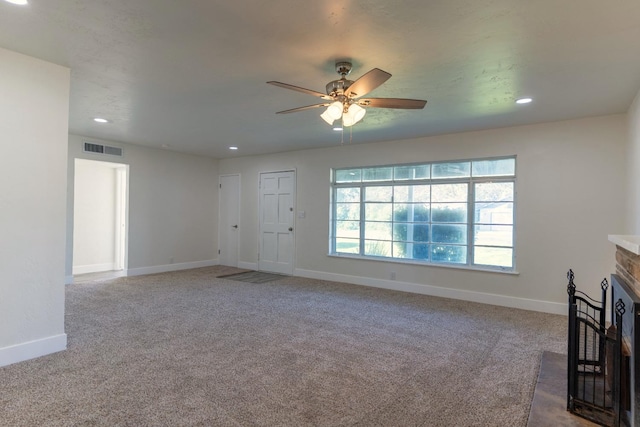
471,182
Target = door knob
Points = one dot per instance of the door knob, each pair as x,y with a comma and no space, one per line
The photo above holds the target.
235,226
290,228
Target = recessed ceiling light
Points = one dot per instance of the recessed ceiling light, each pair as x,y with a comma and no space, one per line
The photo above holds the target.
337,129
100,120
18,2
233,148
523,100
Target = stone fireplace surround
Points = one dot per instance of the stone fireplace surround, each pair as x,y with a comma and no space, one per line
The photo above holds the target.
626,286
628,259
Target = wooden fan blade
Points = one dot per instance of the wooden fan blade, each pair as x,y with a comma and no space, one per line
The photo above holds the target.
409,104
301,89
367,83
308,107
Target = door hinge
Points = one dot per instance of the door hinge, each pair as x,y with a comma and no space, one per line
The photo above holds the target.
218,251
220,185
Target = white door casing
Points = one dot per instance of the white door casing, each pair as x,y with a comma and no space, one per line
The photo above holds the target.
122,198
276,210
229,220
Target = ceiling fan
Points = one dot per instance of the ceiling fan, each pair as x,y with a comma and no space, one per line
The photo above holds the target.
344,97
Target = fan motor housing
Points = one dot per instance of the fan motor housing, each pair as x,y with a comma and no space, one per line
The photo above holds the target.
338,87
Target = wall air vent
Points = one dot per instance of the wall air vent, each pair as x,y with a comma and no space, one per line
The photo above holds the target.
108,150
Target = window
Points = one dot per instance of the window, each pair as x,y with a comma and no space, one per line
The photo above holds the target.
456,213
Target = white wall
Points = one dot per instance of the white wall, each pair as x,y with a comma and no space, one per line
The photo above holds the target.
94,213
633,158
173,207
34,106
569,180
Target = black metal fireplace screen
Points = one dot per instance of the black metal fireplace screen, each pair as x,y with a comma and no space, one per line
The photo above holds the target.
594,357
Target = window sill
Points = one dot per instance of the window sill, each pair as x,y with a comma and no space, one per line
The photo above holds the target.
422,264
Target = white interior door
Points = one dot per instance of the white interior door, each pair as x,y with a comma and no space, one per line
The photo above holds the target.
277,198
229,222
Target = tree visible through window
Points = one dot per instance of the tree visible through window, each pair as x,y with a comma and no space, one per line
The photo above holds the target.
457,212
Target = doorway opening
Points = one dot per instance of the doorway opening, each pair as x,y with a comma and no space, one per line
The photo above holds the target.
100,219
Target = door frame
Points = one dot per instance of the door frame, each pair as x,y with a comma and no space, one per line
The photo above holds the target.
122,214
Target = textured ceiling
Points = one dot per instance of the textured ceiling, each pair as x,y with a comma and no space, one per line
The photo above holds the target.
190,75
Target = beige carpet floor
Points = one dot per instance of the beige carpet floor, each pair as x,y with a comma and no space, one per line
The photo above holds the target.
190,349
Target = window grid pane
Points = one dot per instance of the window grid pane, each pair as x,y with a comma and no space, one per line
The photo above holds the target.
449,254
348,175
493,223
412,172
377,248
494,213
494,191
498,167
377,211
378,194
348,246
451,170
502,257
377,174
377,230
350,229
493,235
348,195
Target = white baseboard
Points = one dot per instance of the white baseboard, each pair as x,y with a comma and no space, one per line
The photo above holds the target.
93,268
460,294
248,265
140,271
32,349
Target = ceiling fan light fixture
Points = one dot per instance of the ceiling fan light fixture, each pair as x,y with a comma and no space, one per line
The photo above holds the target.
354,114
347,120
335,110
327,117
343,98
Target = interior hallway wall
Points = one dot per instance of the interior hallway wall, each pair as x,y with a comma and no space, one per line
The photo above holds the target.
34,105
173,207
